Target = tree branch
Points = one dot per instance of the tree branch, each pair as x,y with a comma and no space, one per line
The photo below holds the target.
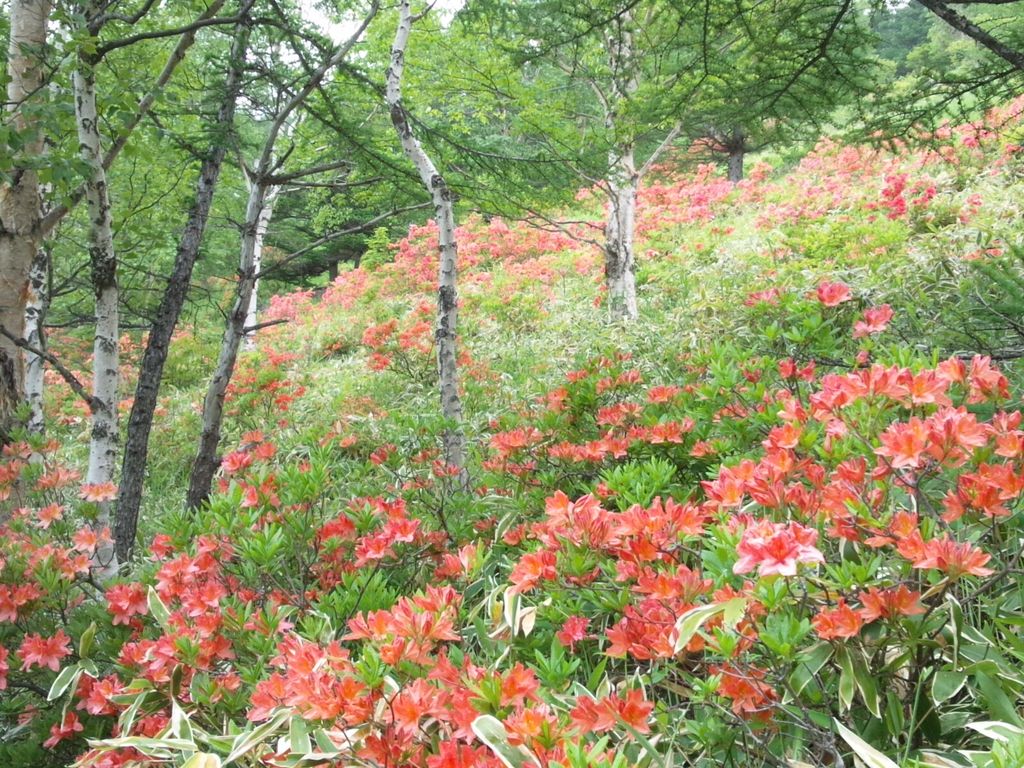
73,381
58,212
964,25
340,233
665,144
158,34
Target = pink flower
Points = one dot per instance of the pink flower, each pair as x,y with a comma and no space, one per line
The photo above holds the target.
875,320
833,294
573,631
776,548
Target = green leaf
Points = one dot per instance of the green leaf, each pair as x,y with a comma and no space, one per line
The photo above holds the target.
202,760
152,747
158,610
492,733
995,730
847,679
251,738
946,684
66,679
808,665
995,700
956,616
85,643
692,620
868,755
181,726
298,736
865,683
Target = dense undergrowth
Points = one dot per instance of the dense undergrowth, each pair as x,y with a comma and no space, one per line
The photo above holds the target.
776,522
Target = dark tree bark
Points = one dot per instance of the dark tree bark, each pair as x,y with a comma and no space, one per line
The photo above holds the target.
140,422
736,155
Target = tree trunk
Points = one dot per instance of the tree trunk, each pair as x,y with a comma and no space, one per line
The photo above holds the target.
447,298
959,22
147,390
262,224
205,464
620,264
736,154
20,229
36,305
623,177
105,433
734,144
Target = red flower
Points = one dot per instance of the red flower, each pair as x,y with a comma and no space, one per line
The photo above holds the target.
953,558
833,294
46,652
531,569
235,462
598,715
750,696
889,603
876,320
125,601
67,728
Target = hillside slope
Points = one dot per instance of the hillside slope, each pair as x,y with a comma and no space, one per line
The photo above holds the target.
775,522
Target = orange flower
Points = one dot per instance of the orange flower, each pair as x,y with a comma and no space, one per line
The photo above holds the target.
49,515
841,621
750,696
886,604
531,569
953,558
833,294
98,492
598,715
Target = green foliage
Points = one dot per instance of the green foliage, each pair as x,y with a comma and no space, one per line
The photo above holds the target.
378,250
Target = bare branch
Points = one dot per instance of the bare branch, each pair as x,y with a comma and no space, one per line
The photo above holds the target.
73,381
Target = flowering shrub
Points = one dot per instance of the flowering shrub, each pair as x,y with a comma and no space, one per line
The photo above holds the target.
791,538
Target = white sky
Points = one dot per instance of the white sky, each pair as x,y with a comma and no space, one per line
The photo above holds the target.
339,31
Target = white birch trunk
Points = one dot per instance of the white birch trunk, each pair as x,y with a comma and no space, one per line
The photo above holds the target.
20,226
262,224
104,438
447,298
623,177
620,264
36,305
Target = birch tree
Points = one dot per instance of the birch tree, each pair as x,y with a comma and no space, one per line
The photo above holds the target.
263,176
105,433
623,69
20,223
444,210
262,225
36,304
